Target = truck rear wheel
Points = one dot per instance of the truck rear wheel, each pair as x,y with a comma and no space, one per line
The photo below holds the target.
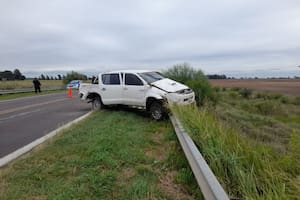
157,111
97,104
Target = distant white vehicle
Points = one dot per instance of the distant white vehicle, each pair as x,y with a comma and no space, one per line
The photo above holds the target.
75,84
144,89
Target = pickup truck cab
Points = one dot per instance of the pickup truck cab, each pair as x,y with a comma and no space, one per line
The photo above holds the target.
137,88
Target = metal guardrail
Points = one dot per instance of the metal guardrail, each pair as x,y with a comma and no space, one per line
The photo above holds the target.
208,183
26,90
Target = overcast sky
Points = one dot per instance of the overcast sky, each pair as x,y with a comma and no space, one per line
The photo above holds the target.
230,36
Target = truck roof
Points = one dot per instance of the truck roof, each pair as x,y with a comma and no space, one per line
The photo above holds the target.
129,71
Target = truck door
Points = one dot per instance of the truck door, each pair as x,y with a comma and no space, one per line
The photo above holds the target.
134,90
110,89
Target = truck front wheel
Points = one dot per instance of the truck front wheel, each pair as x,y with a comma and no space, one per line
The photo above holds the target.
97,104
157,111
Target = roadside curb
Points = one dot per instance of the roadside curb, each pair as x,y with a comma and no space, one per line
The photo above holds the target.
14,155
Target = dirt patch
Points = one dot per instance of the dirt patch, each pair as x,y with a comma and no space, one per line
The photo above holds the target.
128,173
39,198
160,148
157,137
160,152
157,154
289,87
173,190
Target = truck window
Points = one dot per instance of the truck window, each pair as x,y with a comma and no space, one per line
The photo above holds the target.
131,79
110,79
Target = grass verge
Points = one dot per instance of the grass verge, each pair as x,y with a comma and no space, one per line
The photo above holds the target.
112,155
247,169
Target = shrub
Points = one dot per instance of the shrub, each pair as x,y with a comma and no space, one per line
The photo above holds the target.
74,76
184,73
260,96
268,107
195,79
217,89
246,93
233,94
296,101
235,89
284,100
203,91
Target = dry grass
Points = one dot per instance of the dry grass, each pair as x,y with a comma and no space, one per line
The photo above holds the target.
10,85
285,86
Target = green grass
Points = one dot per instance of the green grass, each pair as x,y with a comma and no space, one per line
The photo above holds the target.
246,168
28,94
268,118
10,85
112,155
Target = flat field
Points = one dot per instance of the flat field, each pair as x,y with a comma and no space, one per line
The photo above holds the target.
289,87
10,85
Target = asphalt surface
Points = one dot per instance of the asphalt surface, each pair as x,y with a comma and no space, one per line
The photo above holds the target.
27,119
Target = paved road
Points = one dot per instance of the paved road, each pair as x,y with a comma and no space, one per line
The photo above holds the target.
24,120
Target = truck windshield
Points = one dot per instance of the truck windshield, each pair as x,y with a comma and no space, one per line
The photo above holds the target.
151,77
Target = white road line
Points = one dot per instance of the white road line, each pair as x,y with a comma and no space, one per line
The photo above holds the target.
29,106
18,115
10,157
31,97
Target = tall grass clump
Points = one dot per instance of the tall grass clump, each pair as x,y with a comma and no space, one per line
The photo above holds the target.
245,168
195,79
296,101
245,93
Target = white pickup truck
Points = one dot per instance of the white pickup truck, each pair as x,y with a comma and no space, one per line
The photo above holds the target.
137,88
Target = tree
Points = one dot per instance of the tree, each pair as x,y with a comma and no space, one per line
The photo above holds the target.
42,77
74,76
18,75
7,75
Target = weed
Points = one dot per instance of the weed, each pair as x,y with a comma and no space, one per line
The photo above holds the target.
203,91
296,101
268,107
245,93
233,94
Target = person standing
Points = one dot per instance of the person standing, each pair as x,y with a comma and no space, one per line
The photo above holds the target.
37,85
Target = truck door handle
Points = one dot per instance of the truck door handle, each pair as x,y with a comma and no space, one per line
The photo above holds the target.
125,88
103,89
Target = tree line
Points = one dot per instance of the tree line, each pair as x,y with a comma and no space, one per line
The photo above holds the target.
17,75
12,75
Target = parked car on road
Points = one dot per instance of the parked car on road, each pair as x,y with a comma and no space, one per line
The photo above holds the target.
75,84
137,88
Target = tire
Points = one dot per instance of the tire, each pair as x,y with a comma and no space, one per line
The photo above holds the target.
157,111
97,104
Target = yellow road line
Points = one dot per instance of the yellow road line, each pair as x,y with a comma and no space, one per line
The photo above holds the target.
29,106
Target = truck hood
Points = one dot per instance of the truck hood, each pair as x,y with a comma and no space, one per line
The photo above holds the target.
169,85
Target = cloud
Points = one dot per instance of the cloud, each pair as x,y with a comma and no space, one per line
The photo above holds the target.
88,35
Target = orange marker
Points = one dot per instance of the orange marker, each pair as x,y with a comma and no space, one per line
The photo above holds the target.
70,93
